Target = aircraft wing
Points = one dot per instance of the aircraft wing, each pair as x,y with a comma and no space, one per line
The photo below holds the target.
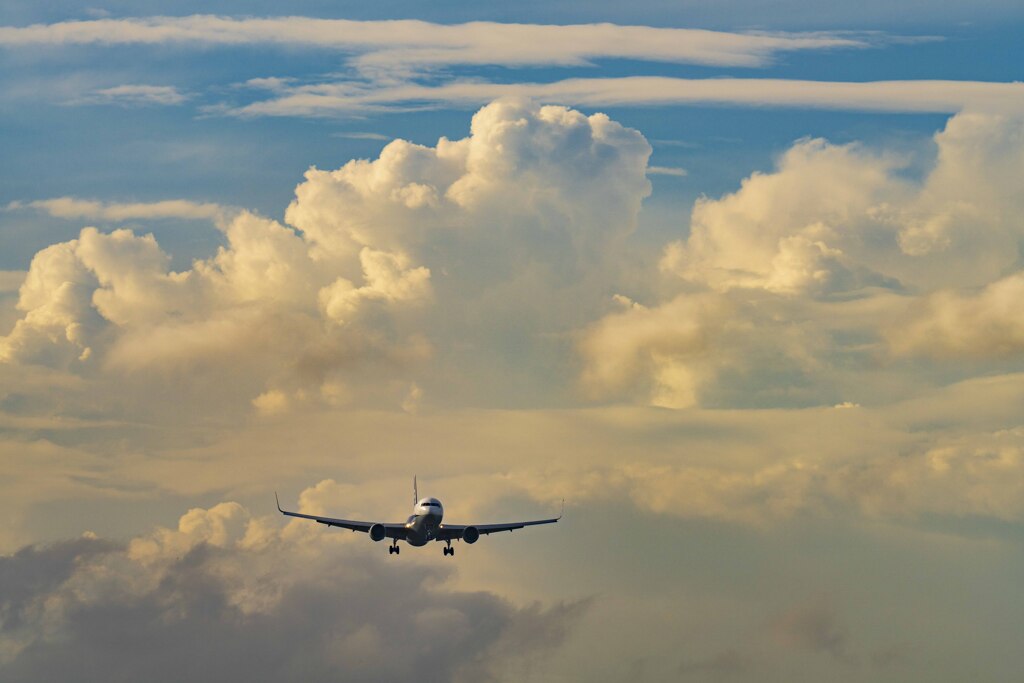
397,530
455,531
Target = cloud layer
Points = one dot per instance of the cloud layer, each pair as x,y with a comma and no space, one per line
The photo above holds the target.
922,96
399,45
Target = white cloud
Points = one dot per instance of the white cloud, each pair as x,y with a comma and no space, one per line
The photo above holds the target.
671,345
829,266
134,95
392,45
950,324
361,136
533,203
74,208
667,170
886,96
388,277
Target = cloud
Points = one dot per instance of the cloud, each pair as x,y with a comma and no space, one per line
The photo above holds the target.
134,96
534,202
810,278
667,170
951,324
723,665
338,99
669,344
270,598
398,45
487,256
813,626
72,208
361,136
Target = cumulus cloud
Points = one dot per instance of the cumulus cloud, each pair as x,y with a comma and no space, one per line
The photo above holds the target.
113,293
535,201
271,599
671,345
789,231
524,169
833,261
949,324
831,214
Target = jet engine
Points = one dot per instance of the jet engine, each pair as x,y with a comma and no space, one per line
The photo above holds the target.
470,534
377,532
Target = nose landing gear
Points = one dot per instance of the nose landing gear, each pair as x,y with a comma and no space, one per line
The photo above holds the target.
394,549
449,550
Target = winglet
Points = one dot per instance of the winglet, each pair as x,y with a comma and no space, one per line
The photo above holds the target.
278,503
563,510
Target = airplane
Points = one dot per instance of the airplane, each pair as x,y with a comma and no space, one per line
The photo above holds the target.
423,526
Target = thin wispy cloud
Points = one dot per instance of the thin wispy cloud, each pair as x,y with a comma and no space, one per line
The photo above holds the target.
134,96
398,44
360,136
919,96
72,208
667,170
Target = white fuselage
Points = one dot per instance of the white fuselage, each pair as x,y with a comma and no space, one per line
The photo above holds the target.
424,522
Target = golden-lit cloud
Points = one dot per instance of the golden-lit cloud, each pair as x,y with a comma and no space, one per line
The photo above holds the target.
301,307
825,274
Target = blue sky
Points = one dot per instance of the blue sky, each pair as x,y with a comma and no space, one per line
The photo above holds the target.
740,281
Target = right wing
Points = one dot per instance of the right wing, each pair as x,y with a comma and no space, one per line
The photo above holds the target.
398,530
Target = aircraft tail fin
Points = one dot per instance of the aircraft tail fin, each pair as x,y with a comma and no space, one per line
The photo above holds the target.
415,492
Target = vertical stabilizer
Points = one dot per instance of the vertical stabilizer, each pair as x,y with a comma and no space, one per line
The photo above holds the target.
415,492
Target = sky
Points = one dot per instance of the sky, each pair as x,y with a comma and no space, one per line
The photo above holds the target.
741,282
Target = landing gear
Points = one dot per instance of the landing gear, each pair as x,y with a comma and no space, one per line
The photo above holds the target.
449,550
394,549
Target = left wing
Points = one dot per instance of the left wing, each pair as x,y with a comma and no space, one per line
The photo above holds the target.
391,530
456,531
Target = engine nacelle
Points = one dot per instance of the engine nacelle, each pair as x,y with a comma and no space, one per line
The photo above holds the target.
470,534
378,532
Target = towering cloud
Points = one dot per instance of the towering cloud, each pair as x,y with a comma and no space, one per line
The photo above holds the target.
835,260
532,204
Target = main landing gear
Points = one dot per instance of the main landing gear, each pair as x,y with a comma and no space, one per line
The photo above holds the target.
394,549
449,550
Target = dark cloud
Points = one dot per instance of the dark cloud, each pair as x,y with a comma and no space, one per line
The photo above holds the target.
34,571
813,626
722,666
88,610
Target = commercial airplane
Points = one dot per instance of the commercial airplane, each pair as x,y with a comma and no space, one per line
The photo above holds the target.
422,527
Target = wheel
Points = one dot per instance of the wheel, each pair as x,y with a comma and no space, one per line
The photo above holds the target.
398,551
451,551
